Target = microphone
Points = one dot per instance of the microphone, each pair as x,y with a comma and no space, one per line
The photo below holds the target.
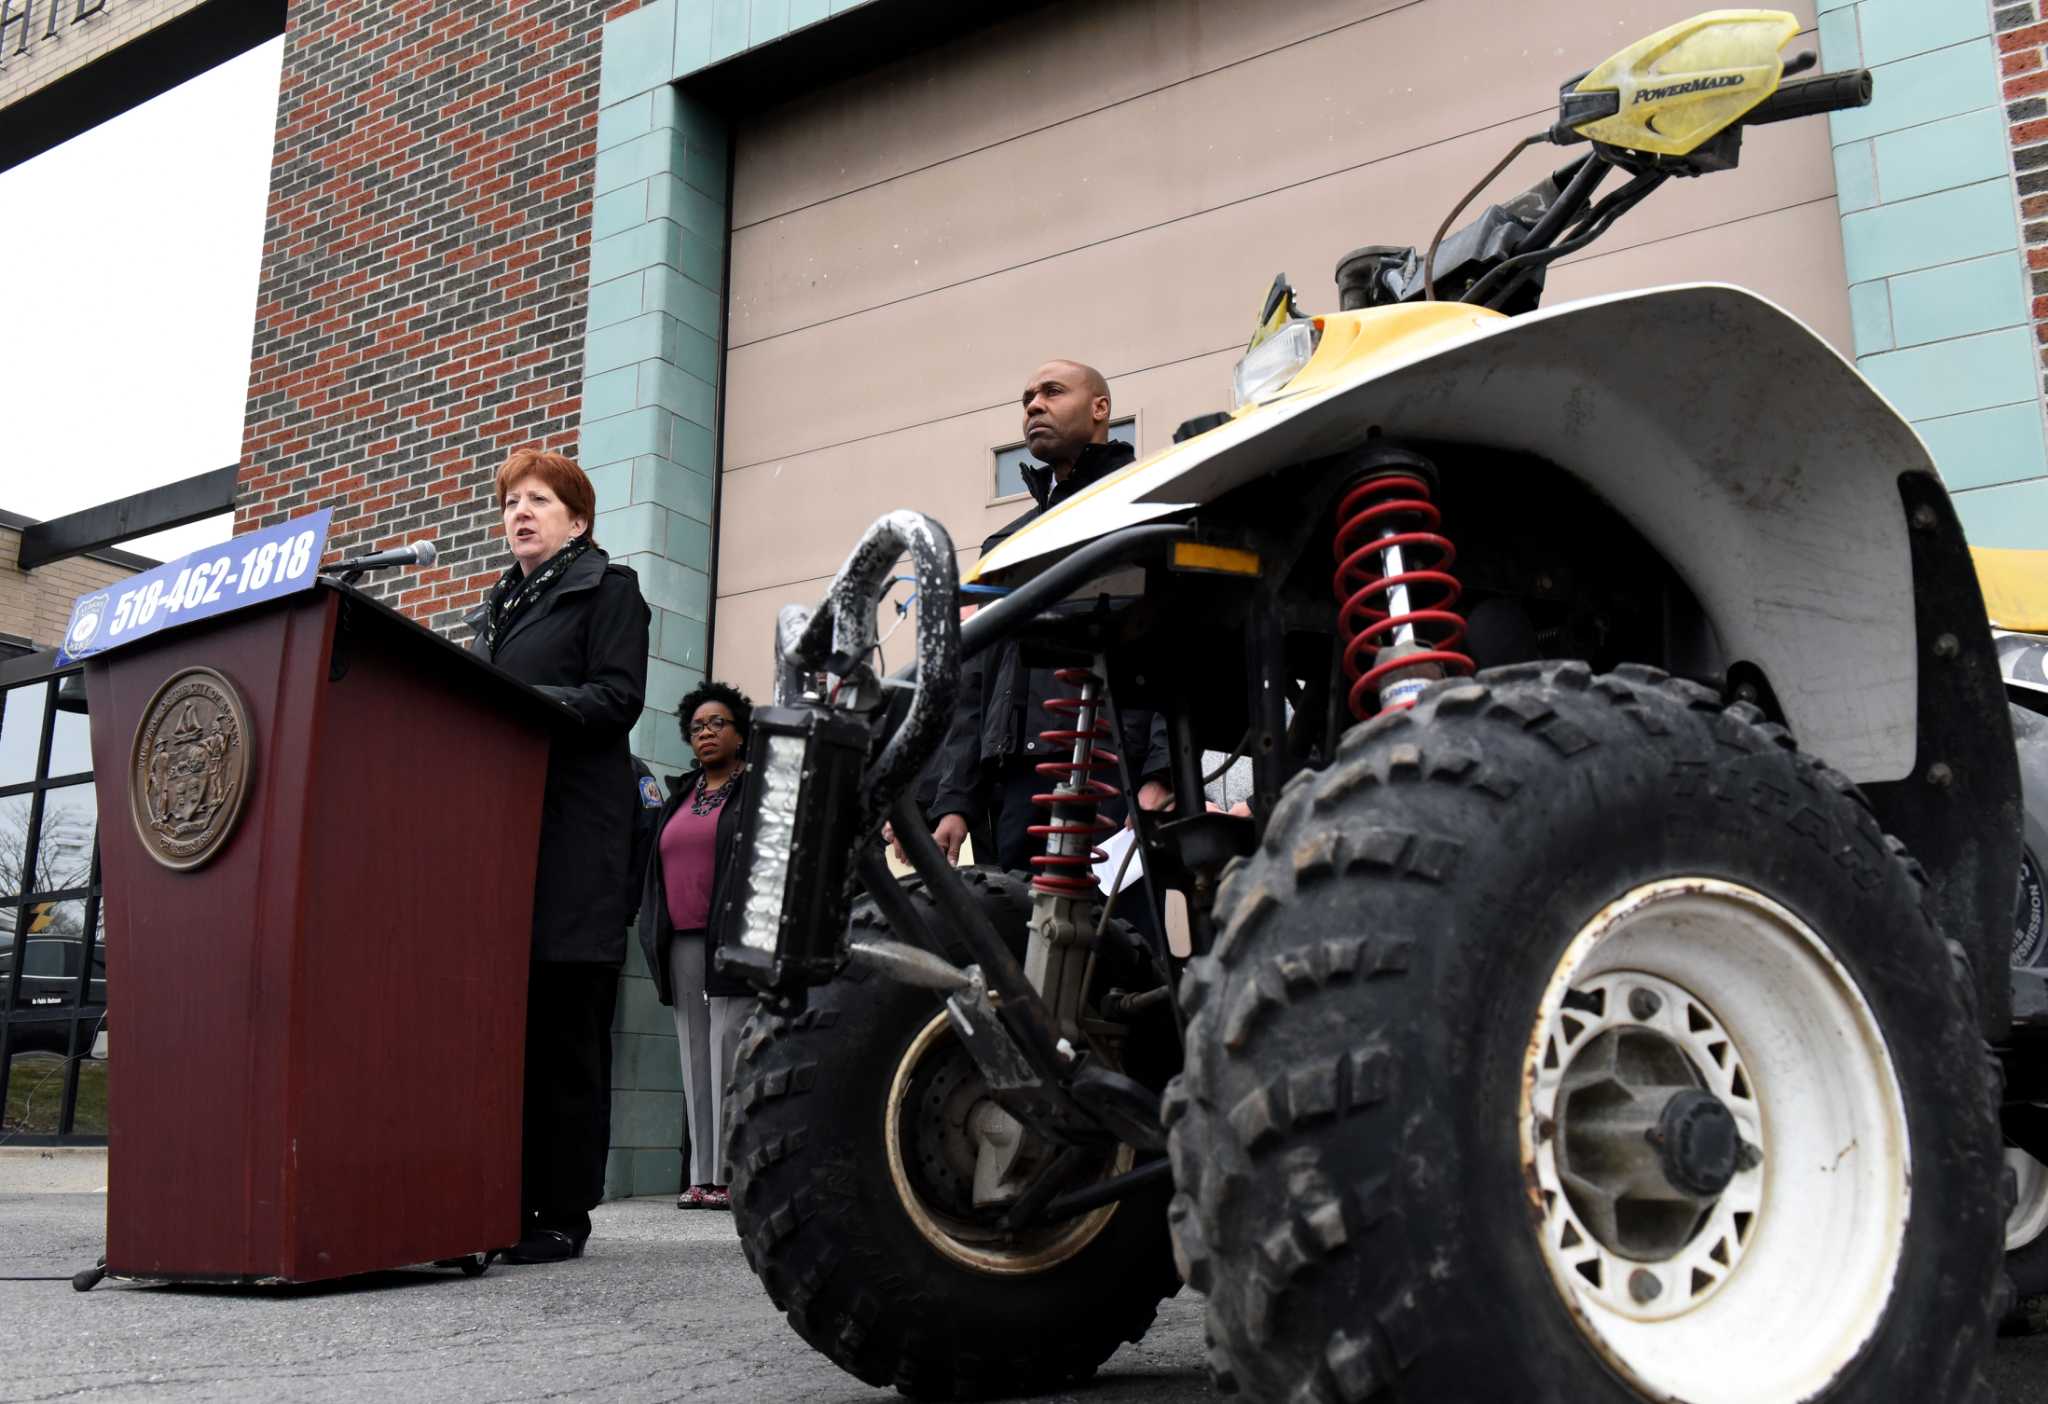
419,553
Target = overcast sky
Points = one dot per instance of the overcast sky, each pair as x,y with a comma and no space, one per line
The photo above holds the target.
128,263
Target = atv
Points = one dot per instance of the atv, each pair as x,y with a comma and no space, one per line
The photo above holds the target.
1598,1001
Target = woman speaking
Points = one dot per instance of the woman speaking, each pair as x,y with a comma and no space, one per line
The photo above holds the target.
568,621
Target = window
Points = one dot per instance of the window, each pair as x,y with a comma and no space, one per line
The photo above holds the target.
53,963
1011,458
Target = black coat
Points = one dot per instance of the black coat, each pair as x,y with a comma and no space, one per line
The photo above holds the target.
1002,703
656,930
584,643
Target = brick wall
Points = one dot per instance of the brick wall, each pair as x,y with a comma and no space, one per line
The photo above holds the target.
421,306
2023,71
37,605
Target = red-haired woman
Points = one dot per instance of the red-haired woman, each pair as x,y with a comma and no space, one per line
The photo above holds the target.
568,621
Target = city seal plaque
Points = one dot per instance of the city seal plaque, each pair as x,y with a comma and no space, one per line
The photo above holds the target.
189,772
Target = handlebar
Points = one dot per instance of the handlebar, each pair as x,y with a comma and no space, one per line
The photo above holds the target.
1809,97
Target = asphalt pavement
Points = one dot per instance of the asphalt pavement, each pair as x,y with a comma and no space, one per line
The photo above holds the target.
661,1308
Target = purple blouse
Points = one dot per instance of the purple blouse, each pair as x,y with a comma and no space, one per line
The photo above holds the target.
689,856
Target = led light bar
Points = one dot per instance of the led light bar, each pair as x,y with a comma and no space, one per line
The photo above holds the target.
782,923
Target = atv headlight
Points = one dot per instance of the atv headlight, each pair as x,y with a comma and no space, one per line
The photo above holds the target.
782,920
1273,362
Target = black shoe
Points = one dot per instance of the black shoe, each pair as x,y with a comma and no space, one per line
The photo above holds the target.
544,1246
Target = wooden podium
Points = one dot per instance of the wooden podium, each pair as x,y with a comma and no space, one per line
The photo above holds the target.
320,1019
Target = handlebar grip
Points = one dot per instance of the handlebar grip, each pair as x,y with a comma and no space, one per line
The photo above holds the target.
1809,97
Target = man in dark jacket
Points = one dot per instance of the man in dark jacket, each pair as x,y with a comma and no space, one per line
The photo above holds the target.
985,765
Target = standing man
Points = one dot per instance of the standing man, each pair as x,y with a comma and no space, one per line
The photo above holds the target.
985,764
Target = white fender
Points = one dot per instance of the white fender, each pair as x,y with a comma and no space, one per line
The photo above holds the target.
1756,459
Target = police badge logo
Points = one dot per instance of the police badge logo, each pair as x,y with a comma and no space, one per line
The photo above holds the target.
86,628
189,771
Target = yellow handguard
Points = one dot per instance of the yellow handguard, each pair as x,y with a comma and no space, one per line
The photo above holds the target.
1683,86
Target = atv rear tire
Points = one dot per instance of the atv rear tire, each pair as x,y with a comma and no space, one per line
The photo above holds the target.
1491,922
868,1271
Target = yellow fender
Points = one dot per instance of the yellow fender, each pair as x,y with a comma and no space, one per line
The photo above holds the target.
2015,585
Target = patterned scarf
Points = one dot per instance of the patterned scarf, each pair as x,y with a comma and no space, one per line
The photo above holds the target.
515,592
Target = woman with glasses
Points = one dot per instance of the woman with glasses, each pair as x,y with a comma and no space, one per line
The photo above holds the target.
686,875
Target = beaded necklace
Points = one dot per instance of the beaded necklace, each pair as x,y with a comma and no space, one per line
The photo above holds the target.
704,801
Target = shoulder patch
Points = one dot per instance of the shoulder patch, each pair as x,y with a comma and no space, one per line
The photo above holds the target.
650,793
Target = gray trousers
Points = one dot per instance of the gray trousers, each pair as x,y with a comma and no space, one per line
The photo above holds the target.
704,1025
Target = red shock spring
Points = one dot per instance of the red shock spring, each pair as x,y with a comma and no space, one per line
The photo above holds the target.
1067,867
1384,525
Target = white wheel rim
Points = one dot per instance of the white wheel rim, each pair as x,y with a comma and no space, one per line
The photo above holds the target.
1790,1272
2029,1217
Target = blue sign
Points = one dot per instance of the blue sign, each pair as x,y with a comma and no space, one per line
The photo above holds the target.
244,571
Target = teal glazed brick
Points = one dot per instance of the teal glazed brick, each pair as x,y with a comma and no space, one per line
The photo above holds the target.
696,449
1855,177
685,395
807,12
618,210
672,753
1969,222
693,351
657,1170
1941,155
673,587
650,1061
671,198
638,51
1949,377
615,301
613,392
647,1118
693,38
1924,89
1987,447
668,109
705,170
622,121
627,343
685,641
1896,29
639,526
625,436
689,540
728,28
1839,45
1959,299
647,155
1826,5
767,21
655,242
1870,315
640,1011
2013,517
618,1174
674,485
692,304
703,260
667,682
613,482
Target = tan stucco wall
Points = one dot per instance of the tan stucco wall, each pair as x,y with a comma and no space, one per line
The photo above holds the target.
1119,183
36,606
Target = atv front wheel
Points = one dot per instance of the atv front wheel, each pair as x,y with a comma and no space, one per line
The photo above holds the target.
853,1146
1576,1038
